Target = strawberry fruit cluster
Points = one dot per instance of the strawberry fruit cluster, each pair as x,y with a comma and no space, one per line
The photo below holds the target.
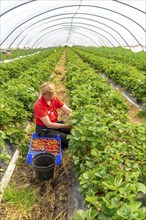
49,145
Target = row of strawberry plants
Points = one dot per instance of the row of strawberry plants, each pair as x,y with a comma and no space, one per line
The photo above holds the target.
122,55
14,53
108,151
14,69
128,77
18,95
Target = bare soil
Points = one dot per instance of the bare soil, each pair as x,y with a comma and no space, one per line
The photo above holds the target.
60,89
133,111
133,114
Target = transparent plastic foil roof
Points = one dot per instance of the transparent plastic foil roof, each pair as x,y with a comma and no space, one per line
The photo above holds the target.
50,23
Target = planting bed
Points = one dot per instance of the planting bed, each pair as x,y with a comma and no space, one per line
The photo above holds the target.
57,198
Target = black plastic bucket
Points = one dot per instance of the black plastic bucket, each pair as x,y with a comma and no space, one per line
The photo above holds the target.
43,165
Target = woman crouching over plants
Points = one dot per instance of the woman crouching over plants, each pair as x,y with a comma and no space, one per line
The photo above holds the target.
46,115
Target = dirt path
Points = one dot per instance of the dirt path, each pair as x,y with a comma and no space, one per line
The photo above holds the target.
59,75
60,89
133,114
53,195
133,111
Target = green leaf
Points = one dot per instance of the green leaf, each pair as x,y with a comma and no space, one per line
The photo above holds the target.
88,175
79,215
89,163
92,199
103,217
144,210
83,138
91,214
135,206
115,202
118,181
109,186
141,187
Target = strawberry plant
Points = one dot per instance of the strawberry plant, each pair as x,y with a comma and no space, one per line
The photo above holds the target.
107,150
18,95
123,74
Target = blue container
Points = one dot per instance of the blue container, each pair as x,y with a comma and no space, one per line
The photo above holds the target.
32,153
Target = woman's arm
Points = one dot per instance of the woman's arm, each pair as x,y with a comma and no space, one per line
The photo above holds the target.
50,124
66,109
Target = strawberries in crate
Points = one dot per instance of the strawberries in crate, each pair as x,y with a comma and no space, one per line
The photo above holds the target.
49,145
40,145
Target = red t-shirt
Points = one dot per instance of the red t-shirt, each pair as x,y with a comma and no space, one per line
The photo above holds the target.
42,109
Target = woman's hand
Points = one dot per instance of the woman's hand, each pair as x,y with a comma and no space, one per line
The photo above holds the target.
69,126
53,125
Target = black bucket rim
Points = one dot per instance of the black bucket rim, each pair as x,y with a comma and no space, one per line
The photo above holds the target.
43,154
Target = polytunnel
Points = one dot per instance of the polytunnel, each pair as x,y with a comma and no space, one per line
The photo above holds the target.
43,24
72,109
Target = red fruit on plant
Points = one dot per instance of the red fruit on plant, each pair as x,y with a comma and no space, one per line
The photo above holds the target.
97,193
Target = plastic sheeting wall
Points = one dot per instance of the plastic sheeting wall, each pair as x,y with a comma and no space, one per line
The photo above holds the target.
51,23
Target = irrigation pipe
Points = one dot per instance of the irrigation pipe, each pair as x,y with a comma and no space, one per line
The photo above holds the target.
131,100
10,169
123,93
18,58
7,176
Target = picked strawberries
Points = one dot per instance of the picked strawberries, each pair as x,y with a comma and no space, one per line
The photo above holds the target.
49,145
